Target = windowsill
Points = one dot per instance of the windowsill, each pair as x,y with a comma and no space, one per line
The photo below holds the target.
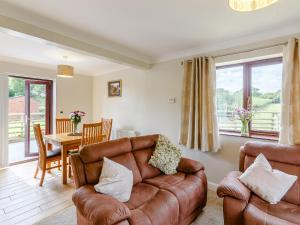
254,136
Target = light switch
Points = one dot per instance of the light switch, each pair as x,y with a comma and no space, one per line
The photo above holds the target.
172,100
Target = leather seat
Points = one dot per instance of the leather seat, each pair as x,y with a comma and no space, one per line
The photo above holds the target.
141,194
261,211
155,199
162,209
241,206
183,187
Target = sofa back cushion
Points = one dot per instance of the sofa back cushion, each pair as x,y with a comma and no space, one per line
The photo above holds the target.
142,149
282,157
117,150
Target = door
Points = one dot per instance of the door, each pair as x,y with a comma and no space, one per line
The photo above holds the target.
38,108
30,102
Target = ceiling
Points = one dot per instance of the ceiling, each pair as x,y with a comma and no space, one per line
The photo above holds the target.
156,30
15,48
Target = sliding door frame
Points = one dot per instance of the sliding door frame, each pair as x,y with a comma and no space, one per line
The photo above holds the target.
48,115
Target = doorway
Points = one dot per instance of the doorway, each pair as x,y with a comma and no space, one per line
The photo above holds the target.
30,102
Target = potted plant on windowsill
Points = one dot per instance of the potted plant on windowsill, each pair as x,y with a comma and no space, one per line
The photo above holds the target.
245,116
76,118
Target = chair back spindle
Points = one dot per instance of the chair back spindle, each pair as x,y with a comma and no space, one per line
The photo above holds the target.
64,125
106,128
91,134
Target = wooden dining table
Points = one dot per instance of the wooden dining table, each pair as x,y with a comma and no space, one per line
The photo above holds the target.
66,143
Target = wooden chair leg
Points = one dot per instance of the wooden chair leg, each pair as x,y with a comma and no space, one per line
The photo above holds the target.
42,177
36,171
59,165
69,171
69,168
49,165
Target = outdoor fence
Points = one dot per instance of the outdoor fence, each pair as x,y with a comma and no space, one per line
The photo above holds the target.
16,125
264,121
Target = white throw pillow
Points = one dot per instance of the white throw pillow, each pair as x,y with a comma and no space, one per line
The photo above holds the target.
115,180
270,185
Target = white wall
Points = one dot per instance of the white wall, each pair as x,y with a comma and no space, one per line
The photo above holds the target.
74,94
144,107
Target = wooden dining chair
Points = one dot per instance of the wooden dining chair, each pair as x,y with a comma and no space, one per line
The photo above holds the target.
45,157
106,128
64,125
91,134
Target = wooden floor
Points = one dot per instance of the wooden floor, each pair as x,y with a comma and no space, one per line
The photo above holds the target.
23,202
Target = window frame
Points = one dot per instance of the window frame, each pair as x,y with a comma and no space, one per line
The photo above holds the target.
247,86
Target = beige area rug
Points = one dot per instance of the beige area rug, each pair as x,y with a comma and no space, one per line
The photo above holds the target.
212,214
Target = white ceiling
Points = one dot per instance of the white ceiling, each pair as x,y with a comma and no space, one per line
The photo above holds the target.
156,30
41,53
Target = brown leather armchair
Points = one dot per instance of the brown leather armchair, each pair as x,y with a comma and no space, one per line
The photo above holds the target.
155,199
243,207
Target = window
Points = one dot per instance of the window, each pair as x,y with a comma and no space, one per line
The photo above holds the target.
253,84
229,96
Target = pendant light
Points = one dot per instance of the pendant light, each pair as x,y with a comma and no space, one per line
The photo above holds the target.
249,5
65,70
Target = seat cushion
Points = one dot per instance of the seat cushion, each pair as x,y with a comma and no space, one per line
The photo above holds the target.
162,181
259,212
189,190
141,194
161,209
53,153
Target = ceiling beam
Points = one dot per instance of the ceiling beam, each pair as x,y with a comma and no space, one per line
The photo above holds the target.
61,40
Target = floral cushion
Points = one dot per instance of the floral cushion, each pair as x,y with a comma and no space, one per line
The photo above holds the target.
166,156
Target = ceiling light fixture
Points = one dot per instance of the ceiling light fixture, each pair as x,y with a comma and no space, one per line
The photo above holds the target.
249,5
65,70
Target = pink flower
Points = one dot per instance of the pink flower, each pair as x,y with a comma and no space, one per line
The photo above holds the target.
244,114
76,113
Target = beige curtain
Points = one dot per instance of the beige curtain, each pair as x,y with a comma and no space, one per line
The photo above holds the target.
199,128
290,111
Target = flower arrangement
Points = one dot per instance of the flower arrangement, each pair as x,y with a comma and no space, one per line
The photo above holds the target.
76,117
245,116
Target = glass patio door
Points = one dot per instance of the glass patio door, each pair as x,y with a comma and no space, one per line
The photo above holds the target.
30,102
37,111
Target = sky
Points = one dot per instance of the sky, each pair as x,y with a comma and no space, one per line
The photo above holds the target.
266,78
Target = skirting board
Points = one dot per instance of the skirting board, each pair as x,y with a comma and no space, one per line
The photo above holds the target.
212,186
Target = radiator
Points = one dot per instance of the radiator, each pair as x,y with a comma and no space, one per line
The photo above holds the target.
126,133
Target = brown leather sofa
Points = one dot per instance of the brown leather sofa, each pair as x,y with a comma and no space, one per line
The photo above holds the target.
243,207
155,199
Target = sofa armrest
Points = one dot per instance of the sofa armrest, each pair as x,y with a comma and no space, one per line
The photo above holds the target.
232,187
78,170
98,208
189,166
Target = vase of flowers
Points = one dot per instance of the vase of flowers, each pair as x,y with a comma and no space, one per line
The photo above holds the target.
76,117
245,116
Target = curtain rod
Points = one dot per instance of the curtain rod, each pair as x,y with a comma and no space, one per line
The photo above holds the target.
245,51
